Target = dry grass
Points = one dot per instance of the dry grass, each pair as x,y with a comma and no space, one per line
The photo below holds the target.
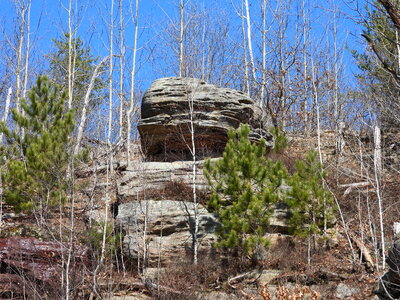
175,190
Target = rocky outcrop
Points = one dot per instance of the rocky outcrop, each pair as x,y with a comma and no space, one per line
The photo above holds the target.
153,176
164,229
170,104
27,264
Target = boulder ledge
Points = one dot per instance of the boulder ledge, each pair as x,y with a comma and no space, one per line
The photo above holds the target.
165,125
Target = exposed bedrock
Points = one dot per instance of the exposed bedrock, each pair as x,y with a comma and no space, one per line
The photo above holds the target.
172,105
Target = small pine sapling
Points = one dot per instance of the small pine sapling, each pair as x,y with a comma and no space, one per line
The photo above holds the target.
37,153
245,186
281,142
310,203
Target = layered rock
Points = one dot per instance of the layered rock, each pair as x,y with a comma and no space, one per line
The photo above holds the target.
151,176
164,229
156,181
30,260
172,105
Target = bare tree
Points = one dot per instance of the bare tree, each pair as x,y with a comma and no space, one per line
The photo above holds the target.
6,111
109,154
121,69
82,123
71,64
132,87
250,43
377,173
192,149
181,35
21,49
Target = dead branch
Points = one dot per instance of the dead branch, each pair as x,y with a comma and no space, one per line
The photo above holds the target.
365,253
255,274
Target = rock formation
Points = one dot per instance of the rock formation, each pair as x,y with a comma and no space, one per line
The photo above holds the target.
168,226
146,190
26,260
140,177
157,224
165,125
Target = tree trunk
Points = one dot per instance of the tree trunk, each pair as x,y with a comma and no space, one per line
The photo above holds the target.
181,35
132,91
250,45
82,122
378,171
6,110
70,55
121,71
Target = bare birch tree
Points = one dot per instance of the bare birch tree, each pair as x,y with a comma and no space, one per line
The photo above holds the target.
86,100
377,175
71,35
121,68
21,49
192,149
181,35
6,111
109,154
132,87
250,44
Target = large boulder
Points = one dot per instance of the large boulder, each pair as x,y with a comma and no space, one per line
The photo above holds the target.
165,125
164,229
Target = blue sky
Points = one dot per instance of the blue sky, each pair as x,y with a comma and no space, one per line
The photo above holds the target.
49,20
157,54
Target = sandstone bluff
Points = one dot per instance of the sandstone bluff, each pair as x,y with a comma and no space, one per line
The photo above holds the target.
166,115
165,135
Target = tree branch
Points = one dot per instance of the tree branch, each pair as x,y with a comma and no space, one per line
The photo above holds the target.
392,11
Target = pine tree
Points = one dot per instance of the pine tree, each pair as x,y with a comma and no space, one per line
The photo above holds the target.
379,65
36,153
311,205
245,187
84,64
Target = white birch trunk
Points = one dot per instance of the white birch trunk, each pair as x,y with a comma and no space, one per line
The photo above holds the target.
70,244
377,173
109,160
70,54
6,110
27,50
305,66
335,85
121,70
282,69
246,65
110,84
250,44
315,91
19,54
316,101
181,35
132,90
86,101
264,52
194,173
